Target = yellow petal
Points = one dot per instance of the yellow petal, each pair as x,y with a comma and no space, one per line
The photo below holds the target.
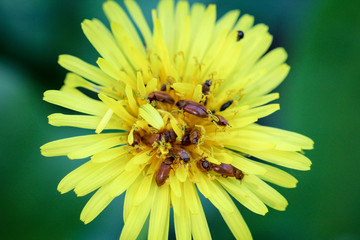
104,121
65,146
151,115
118,109
241,193
219,198
175,184
191,197
104,42
99,177
123,181
81,121
236,223
139,19
131,100
143,190
116,14
182,221
277,176
74,177
76,103
287,159
267,194
91,149
110,154
84,69
199,227
159,215
137,217
96,204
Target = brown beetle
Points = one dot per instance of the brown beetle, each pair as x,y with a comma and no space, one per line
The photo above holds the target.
161,96
178,152
238,173
204,165
195,136
169,136
149,139
228,170
137,138
206,87
163,171
224,169
222,121
186,138
193,108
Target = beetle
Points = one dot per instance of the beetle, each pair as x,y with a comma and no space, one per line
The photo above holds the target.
238,173
178,152
161,96
204,165
226,105
169,136
163,172
137,138
149,139
228,170
240,35
185,141
222,121
194,136
193,108
206,87
224,169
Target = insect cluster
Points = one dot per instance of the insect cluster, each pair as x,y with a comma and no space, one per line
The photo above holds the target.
178,149
176,152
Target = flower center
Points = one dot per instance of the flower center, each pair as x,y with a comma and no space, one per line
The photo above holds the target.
186,124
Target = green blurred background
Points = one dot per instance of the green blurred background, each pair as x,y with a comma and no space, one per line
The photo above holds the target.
320,99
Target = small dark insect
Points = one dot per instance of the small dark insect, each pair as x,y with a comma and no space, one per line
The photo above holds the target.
178,152
149,139
195,136
137,138
169,136
204,165
226,105
222,121
186,138
206,87
228,170
163,171
161,97
193,108
163,87
240,35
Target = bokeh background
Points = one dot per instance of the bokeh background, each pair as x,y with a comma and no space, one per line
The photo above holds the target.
320,99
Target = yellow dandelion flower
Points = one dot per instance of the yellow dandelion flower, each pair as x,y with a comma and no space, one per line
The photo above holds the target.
186,102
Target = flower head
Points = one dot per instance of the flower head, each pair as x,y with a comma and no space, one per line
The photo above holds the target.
181,110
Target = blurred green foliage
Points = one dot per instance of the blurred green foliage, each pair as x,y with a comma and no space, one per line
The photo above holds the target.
319,99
